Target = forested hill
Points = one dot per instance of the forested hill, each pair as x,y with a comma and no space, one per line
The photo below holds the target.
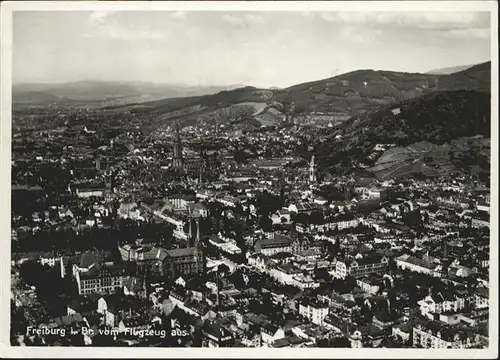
438,117
344,95
443,119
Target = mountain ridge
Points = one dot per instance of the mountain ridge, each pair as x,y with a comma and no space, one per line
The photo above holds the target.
439,132
106,92
341,96
449,70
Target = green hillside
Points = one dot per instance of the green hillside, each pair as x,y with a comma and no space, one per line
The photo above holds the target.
346,95
420,130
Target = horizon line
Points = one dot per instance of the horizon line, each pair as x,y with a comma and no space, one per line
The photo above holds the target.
240,85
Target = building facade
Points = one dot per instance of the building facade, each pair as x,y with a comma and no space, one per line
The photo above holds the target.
434,337
361,267
100,281
189,260
315,311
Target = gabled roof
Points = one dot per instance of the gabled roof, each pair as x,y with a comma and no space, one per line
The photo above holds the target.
186,197
277,241
153,253
134,321
419,262
181,252
482,292
368,259
198,206
215,329
269,327
284,342
442,297
128,206
132,283
88,259
90,186
68,319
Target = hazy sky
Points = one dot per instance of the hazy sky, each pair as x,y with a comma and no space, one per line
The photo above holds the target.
254,48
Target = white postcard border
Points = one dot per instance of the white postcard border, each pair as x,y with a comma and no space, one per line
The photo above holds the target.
5,150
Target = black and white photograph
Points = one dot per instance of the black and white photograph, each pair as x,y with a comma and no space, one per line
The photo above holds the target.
263,175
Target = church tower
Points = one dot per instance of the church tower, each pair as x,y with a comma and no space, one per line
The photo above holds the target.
312,171
198,249
445,260
177,160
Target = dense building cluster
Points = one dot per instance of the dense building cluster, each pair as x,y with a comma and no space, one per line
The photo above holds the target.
183,237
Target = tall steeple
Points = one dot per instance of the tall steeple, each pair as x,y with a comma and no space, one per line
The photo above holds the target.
190,236
218,292
445,260
197,231
312,170
198,250
177,161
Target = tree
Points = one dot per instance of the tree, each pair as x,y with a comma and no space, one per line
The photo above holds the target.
240,240
238,210
340,342
237,279
316,217
255,281
267,203
322,273
223,269
323,343
265,223
31,272
367,313
282,196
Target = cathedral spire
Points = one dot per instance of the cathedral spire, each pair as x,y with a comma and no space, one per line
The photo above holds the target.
177,161
198,250
190,236
312,170
197,231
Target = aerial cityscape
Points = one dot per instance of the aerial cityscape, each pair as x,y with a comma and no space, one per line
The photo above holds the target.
259,206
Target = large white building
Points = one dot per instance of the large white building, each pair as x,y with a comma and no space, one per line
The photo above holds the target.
89,190
480,219
93,276
276,243
368,286
315,311
104,280
129,210
181,202
360,267
344,221
425,266
50,260
288,274
440,303
481,298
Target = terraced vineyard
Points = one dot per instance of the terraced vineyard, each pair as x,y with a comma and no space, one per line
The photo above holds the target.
423,158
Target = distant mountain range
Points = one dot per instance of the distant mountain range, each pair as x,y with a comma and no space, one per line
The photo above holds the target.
449,70
433,119
342,96
101,93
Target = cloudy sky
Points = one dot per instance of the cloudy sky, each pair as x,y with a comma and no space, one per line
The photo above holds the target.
255,48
